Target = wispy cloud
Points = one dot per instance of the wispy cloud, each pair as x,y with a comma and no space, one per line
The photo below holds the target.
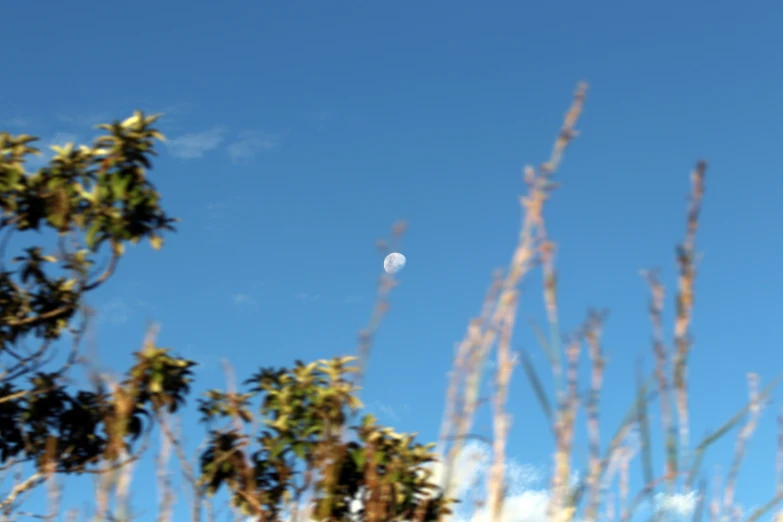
385,410
116,311
320,119
217,214
84,119
249,145
243,299
215,211
176,109
14,123
307,297
195,144
173,116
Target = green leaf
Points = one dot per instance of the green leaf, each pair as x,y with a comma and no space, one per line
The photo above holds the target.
713,437
119,185
90,236
644,429
538,388
300,449
359,458
766,508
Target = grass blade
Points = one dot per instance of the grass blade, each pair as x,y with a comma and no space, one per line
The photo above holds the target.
546,346
617,439
698,511
766,508
538,388
644,431
723,430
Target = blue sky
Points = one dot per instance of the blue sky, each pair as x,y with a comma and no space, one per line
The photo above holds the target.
300,131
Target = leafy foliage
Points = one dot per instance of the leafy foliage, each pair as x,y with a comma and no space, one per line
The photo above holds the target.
297,444
89,196
304,446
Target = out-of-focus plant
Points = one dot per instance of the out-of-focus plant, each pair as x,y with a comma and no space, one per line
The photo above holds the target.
94,200
491,333
300,451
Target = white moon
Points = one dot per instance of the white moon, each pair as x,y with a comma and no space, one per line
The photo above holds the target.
394,262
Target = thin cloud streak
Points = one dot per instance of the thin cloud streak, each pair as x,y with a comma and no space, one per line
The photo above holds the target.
84,119
307,297
249,145
14,123
243,300
195,144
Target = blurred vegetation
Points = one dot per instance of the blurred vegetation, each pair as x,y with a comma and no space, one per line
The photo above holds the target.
296,442
292,443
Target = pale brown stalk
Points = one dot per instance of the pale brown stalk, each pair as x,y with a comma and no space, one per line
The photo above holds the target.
593,337
453,410
188,471
458,412
624,480
374,503
123,489
564,435
247,490
715,503
102,494
547,253
386,283
501,419
610,507
661,372
165,494
463,407
20,487
117,478
540,185
687,274
779,455
54,491
742,441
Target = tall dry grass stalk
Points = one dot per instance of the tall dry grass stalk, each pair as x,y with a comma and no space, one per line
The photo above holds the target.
686,262
496,323
492,331
386,283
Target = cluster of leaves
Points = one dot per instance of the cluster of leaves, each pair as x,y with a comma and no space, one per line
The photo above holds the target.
88,428
304,449
89,196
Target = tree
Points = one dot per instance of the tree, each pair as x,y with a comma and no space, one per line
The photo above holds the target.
376,475
96,199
